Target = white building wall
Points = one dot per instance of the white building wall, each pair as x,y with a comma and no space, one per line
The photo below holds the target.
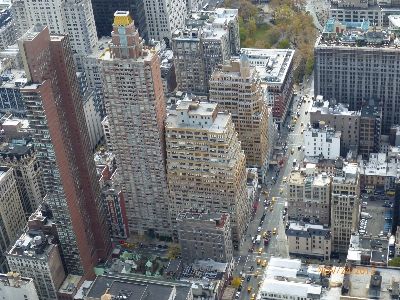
163,17
316,145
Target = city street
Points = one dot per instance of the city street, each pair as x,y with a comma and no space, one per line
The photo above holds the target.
274,219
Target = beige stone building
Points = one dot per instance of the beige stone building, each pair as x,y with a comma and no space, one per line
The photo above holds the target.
236,87
11,212
206,169
345,205
203,236
309,196
309,240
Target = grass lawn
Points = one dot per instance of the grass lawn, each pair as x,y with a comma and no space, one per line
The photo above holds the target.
261,32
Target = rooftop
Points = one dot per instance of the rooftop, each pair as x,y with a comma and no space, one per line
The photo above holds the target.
378,166
371,108
70,283
32,244
300,177
307,230
206,25
350,171
13,78
218,218
204,269
294,289
340,109
132,286
271,64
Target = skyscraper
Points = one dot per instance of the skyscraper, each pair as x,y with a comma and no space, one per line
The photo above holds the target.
206,165
134,100
236,87
55,110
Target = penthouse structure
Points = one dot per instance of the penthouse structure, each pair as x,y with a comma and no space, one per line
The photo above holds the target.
135,105
322,140
378,174
206,167
31,250
345,205
309,240
354,63
236,87
205,236
275,68
62,145
11,212
208,39
309,196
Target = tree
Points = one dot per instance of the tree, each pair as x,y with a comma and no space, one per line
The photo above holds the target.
259,44
273,35
173,250
243,33
247,43
236,281
309,65
251,27
284,44
395,262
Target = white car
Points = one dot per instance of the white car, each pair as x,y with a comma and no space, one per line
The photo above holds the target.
258,229
365,203
237,295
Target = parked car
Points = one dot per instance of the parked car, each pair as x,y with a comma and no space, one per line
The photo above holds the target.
372,198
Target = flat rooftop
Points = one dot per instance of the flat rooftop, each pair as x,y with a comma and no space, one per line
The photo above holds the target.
13,78
271,64
339,109
299,177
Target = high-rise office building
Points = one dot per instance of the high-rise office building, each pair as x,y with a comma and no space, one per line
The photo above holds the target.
135,106
205,164
104,10
236,87
345,205
207,39
54,108
351,74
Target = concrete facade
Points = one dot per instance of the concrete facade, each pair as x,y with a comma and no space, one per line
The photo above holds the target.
206,165
351,74
62,145
135,105
205,236
309,196
207,39
11,212
345,205
309,240
13,286
322,140
275,67
33,255
236,87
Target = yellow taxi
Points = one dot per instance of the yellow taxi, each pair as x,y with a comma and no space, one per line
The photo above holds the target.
274,231
259,283
284,179
264,263
306,111
306,95
249,289
301,124
280,191
294,122
258,261
256,273
259,250
264,235
273,199
271,208
301,131
253,297
308,100
264,192
292,151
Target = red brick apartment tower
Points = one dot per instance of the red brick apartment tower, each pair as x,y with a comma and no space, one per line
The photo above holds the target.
55,111
134,101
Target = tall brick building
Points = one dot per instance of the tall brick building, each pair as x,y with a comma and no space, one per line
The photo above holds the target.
55,110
